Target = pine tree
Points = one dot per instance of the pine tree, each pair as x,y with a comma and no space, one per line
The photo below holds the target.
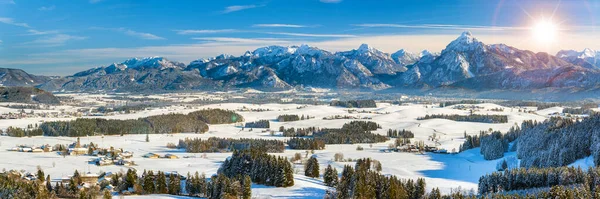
312,168
161,183
174,184
247,193
435,194
148,183
202,185
40,175
48,184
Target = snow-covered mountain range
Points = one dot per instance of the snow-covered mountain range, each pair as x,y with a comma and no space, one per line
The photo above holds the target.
465,63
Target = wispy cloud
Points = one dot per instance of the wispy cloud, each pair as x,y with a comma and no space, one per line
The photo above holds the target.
47,8
54,40
7,2
330,1
141,35
310,35
11,21
37,32
441,26
243,40
230,9
95,1
279,26
205,31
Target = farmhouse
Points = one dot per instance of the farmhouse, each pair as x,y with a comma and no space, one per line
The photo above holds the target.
151,155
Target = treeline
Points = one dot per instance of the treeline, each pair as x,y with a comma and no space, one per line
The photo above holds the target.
290,118
351,133
262,168
169,123
306,144
578,111
559,142
523,178
363,125
125,109
348,136
219,186
363,181
400,134
215,144
258,124
355,103
298,132
538,105
19,132
493,145
469,118
451,103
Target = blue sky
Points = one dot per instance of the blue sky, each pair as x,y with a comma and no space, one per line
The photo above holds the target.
62,37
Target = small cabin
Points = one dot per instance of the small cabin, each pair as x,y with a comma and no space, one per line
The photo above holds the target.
171,156
151,155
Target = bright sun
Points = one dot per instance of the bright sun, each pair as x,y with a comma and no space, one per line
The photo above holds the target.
545,31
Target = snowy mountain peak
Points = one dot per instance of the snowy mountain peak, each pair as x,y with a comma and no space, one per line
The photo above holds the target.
466,34
364,48
308,50
274,51
152,62
400,52
588,53
465,42
425,53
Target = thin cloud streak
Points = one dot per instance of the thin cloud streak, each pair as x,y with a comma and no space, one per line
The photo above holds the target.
37,32
310,35
330,1
230,9
54,40
442,26
279,26
206,31
11,21
49,8
141,35
238,40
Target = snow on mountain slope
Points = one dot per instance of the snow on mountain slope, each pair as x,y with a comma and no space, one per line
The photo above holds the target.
376,61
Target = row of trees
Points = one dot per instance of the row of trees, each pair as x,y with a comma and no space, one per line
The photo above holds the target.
523,178
469,118
451,103
577,111
400,134
363,181
306,144
262,168
298,132
355,103
290,118
350,133
258,124
169,123
19,132
558,142
215,144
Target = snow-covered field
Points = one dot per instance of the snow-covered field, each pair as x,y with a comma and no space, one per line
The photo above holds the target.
440,170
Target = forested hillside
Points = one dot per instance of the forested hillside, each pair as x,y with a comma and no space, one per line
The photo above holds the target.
194,122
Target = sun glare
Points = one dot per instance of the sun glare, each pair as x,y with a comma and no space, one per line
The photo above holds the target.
544,31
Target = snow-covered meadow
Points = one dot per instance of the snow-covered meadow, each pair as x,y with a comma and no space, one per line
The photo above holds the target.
440,170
